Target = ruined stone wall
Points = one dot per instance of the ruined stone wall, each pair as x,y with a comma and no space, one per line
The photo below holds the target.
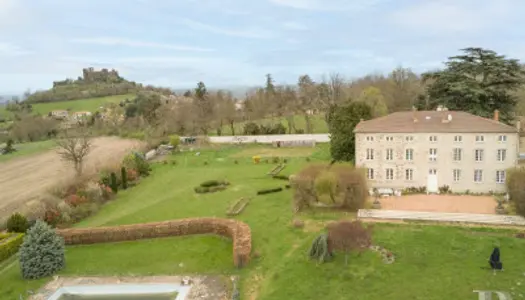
239,232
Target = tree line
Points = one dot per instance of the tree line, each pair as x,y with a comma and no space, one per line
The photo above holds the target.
478,81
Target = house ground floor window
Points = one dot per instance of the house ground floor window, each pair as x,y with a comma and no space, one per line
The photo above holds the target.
370,174
500,176
409,174
389,174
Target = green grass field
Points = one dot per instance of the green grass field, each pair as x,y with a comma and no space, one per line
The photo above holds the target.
27,149
91,104
432,262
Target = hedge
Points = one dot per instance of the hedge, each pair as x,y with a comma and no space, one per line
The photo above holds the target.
268,191
10,246
281,177
238,231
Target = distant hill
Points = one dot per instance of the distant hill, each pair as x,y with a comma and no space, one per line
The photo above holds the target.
92,84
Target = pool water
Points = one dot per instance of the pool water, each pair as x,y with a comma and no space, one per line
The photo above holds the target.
163,296
122,292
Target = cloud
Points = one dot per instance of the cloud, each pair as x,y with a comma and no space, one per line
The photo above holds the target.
447,16
290,25
253,33
328,5
115,41
8,49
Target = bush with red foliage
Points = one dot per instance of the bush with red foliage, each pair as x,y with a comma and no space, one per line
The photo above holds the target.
132,174
76,200
52,216
349,236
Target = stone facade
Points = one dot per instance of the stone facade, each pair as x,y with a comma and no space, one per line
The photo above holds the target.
402,160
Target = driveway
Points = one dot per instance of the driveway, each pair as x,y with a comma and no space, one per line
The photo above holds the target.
441,203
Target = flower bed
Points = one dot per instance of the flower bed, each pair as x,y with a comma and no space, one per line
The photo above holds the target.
238,207
388,257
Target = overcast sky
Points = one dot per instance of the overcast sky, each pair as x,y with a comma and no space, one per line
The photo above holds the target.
176,43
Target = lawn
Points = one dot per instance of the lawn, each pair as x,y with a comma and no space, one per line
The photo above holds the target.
432,262
318,122
29,149
90,104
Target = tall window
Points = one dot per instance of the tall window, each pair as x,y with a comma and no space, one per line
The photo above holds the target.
458,153
458,138
432,171
456,174
409,174
502,138
389,174
409,138
478,155
433,138
480,138
409,154
389,138
370,138
389,154
478,175
500,176
370,174
502,154
369,154
432,154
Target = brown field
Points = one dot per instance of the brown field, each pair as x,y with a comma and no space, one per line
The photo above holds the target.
441,203
26,179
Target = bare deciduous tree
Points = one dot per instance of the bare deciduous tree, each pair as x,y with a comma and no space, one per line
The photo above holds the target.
74,147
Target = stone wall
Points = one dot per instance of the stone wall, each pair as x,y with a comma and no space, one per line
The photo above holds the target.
239,232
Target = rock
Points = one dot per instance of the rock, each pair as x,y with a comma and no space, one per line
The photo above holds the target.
151,154
298,223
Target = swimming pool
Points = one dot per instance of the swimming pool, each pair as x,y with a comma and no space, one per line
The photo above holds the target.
122,292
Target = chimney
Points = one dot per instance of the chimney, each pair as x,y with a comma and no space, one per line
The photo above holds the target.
414,109
496,115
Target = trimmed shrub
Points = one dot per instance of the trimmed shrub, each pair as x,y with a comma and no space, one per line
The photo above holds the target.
10,245
124,175
275,160
175,141
17,223
201,190
42,253
212,189
326,185
268,191
281,177
137,161
516,189
210,183
251,128
114,183
347,187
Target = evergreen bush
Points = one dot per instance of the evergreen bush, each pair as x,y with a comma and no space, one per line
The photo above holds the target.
124,175
114,184
17,223
320,249
42,252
